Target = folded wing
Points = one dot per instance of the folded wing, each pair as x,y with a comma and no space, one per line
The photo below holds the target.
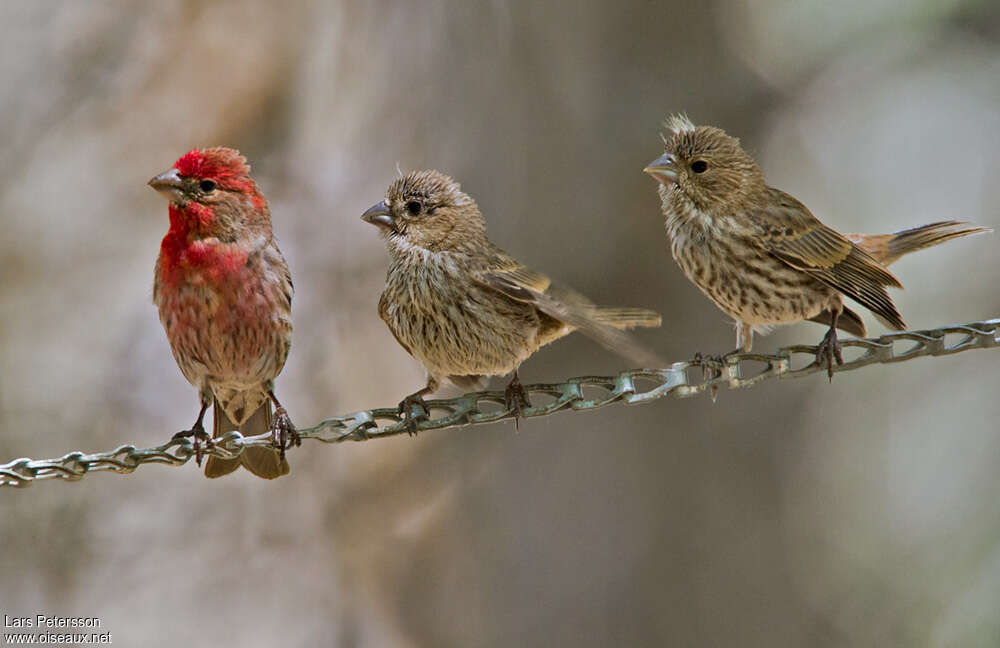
603,324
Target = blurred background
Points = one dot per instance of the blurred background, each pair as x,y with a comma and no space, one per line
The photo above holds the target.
862,512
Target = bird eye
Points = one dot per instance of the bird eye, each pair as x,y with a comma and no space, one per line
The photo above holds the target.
208,186
699,166
413,207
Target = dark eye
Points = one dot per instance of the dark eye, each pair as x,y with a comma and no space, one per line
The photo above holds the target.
208,186
699,166
413,207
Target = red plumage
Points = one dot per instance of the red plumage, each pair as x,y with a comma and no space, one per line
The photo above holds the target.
224,294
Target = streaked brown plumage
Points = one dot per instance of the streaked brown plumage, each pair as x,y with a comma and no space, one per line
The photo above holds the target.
761,256
224,295
466,309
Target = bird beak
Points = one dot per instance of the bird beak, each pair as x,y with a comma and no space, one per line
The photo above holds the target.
663,169
169,184
378,214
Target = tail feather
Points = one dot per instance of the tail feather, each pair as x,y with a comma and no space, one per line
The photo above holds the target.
564,310
848,321
626,318
262,462
888,248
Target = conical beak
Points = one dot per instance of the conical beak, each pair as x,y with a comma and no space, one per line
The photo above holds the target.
169,184
378,214
663,169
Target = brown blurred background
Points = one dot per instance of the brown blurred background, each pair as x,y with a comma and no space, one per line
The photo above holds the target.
797,513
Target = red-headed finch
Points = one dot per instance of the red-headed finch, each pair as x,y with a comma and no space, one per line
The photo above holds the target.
761,256
466,309
224,294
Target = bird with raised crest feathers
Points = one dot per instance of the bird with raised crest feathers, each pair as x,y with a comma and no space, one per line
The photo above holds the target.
465,308
761,256
224,293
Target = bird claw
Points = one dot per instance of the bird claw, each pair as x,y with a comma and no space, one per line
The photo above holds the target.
283,432
711,365
828,350
711,368
408,409
515,399
197,434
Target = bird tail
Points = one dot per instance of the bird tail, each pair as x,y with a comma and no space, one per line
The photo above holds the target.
626,318
263,462
888,248
848,321
605,325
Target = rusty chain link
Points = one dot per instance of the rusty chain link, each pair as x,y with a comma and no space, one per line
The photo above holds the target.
681,379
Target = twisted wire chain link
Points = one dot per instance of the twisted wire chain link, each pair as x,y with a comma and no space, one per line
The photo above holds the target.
681,380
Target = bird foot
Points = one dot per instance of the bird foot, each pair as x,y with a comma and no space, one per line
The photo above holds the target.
709,364
515,398
197,434
828,350
712,364
283,432
413,408
711,368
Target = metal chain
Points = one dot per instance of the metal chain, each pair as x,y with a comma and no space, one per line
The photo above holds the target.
681,380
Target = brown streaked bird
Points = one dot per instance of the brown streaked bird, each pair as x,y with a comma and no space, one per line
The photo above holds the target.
224,294
761,256
465,308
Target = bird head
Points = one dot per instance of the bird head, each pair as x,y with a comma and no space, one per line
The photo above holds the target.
211,194
429,210
706,166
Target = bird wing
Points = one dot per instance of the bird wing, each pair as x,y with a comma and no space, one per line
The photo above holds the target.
383,312
792,234
510,277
